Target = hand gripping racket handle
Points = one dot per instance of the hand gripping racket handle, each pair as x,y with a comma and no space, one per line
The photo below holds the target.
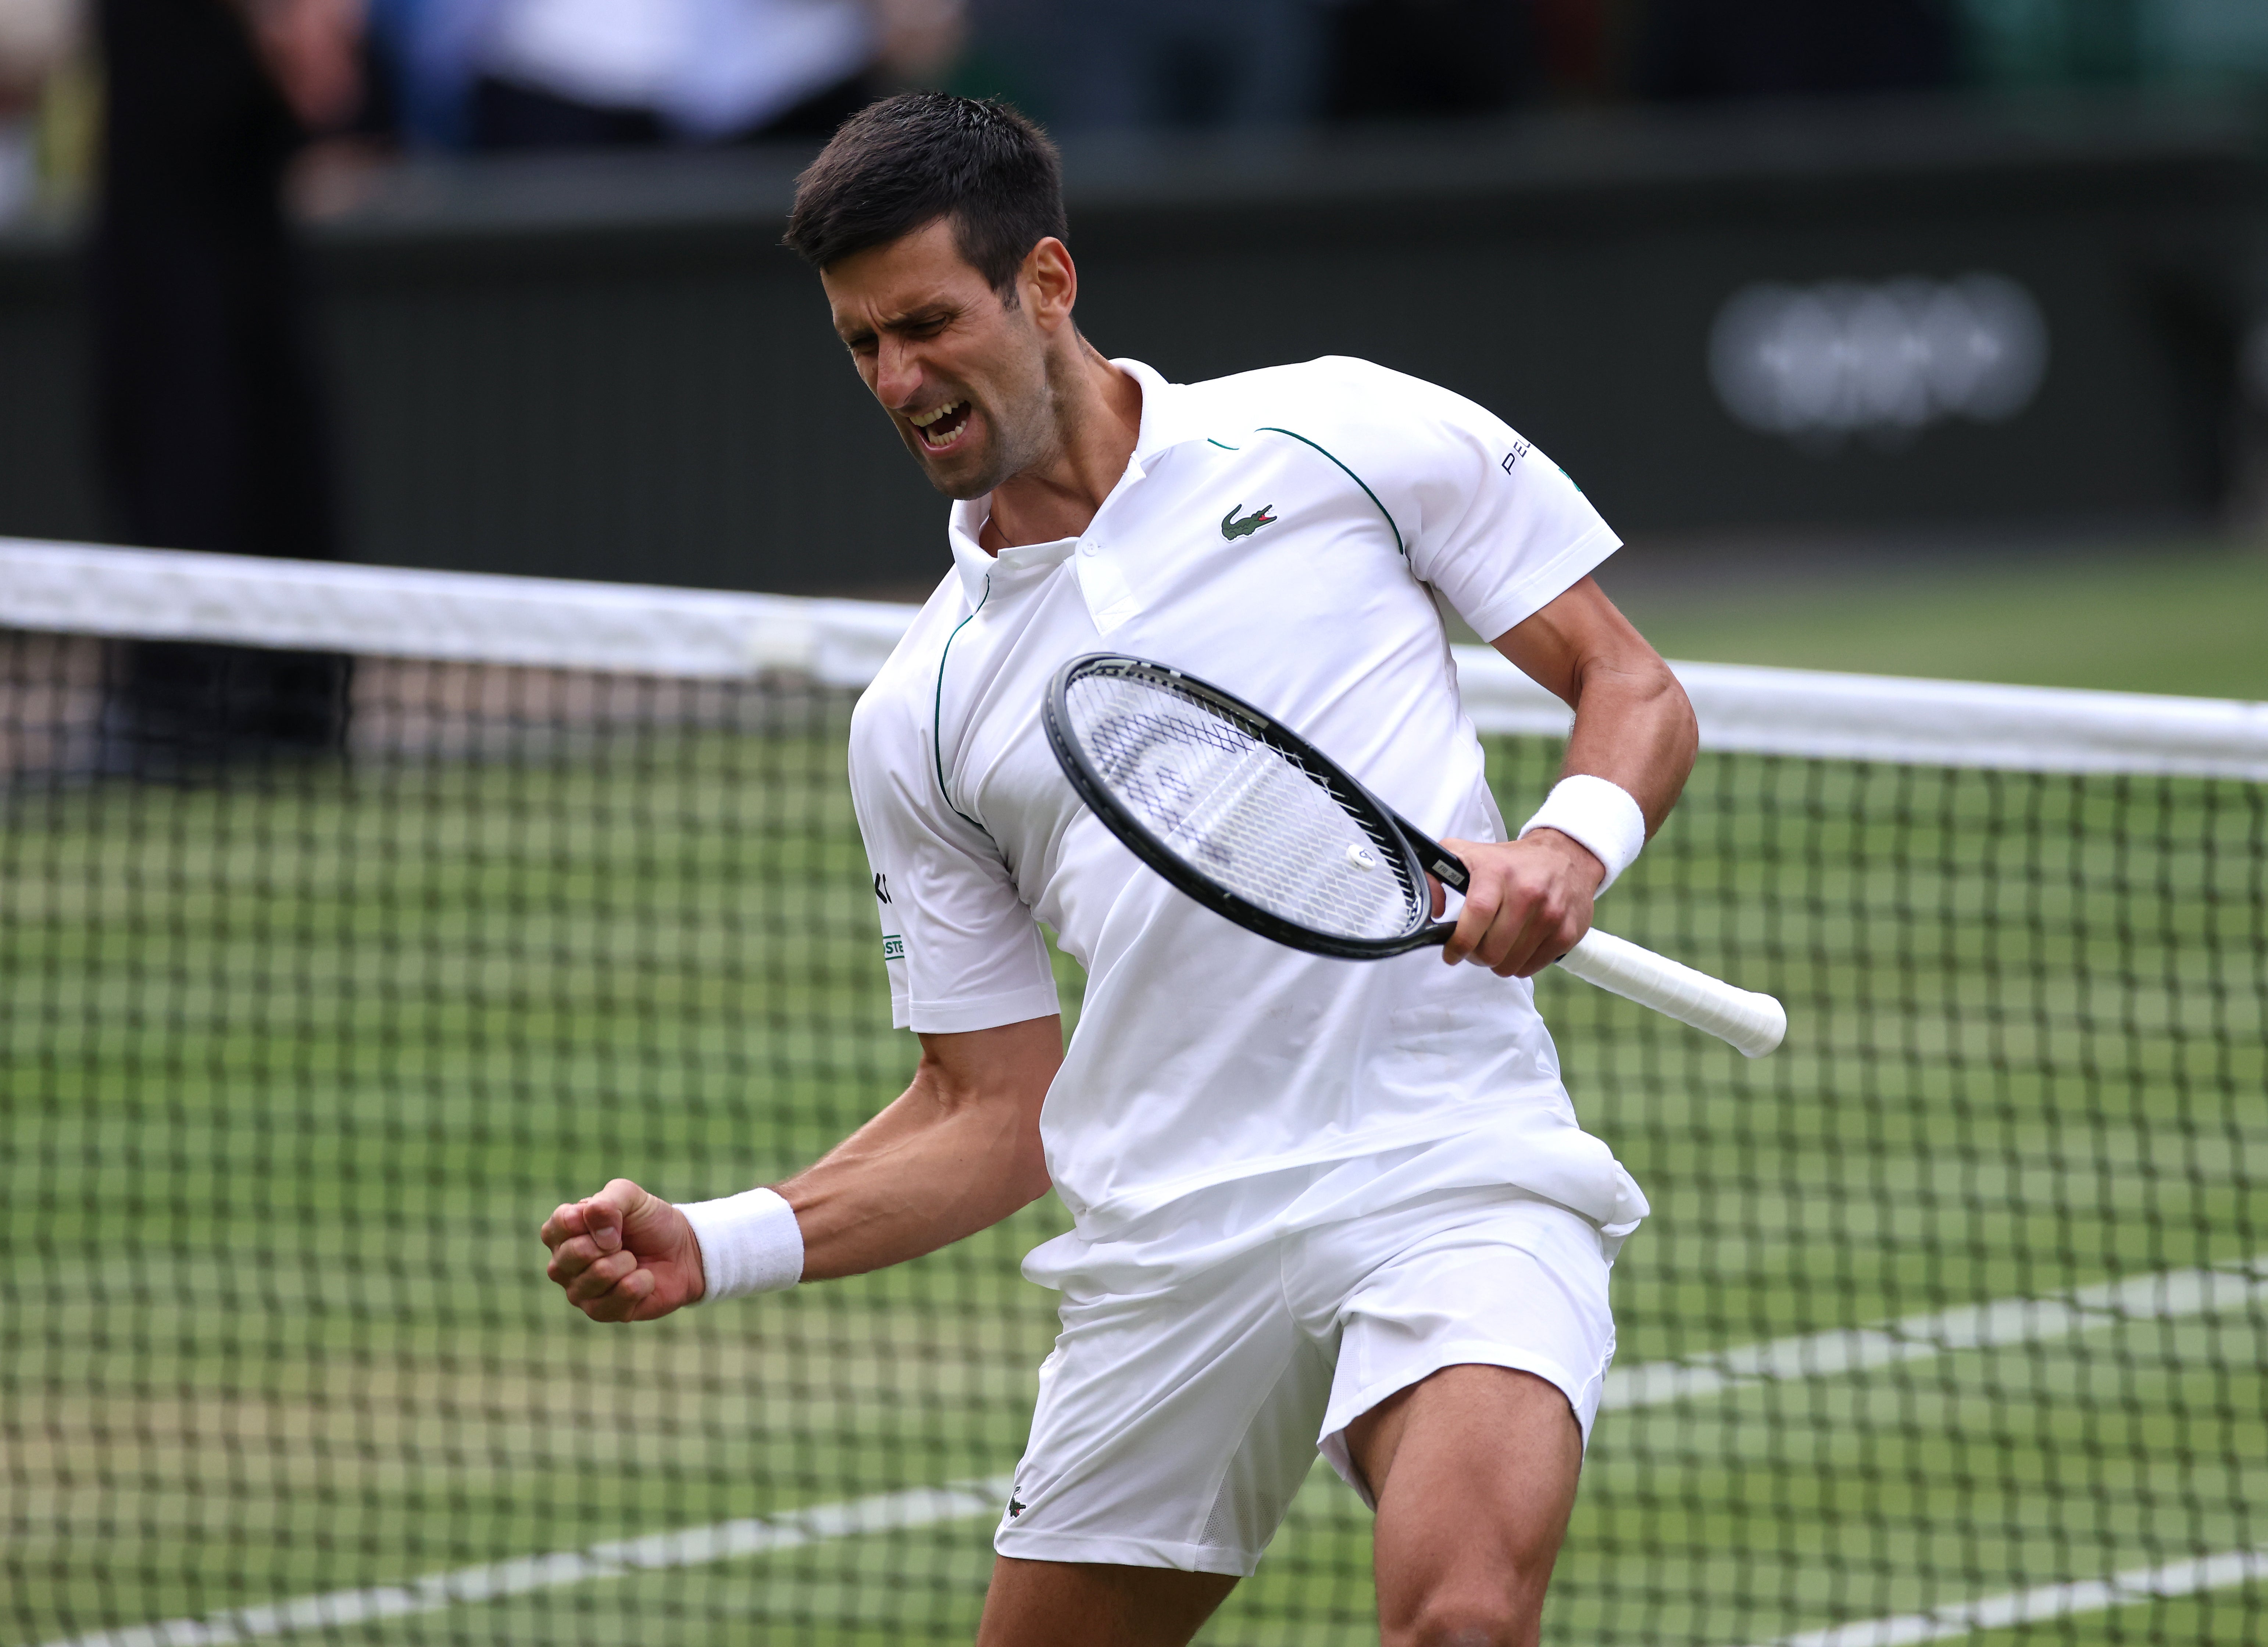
1753,1023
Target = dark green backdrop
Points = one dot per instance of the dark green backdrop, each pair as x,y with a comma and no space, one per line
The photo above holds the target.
606,367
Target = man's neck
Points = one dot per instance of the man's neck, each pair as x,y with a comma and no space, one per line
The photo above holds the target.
1099,417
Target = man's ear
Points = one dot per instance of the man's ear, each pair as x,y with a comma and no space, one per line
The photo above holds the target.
1049,283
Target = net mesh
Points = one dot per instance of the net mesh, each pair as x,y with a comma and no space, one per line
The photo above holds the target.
1951,1319
1240,813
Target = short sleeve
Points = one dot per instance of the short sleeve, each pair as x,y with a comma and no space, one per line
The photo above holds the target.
1485,517
960,946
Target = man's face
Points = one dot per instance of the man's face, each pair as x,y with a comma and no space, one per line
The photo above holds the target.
962,376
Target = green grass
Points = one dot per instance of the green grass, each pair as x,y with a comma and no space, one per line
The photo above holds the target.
290,1073
2176,618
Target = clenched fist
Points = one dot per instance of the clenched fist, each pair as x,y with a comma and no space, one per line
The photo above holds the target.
623,1256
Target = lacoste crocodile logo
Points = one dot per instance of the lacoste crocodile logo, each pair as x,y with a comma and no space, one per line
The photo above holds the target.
1231,528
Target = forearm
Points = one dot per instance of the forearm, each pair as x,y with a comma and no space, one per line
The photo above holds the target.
1634,728
957,1152
1529,903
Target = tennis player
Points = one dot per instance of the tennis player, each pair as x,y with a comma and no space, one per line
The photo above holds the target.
1315,1203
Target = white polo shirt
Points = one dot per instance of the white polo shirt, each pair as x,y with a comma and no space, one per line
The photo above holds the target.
1277,534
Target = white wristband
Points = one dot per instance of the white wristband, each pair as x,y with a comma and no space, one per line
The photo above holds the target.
1602,816
749,1243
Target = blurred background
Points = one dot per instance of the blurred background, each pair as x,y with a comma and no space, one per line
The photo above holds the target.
1927,336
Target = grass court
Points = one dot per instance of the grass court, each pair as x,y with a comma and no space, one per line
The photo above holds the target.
292,1066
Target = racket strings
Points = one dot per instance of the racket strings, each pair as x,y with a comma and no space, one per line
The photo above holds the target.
1242,812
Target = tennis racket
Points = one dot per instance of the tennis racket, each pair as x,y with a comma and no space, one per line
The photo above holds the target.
1255,823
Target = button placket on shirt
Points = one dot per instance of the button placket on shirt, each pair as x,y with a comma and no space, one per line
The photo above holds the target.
1110,597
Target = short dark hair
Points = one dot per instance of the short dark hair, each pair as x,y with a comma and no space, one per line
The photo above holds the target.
902,163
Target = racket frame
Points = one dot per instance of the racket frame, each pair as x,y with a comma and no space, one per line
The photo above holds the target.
1752,1023
1407,852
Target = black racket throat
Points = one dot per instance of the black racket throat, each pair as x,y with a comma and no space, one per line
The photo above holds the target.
1089,743
1434,858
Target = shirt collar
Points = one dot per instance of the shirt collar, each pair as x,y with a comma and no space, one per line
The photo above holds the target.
981,571
1165,422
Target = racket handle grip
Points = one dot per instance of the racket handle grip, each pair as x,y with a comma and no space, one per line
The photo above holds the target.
1754,1024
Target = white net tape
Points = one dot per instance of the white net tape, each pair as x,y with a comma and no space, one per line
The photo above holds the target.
80,589
1238,810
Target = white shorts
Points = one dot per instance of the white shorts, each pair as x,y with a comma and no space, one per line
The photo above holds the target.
1174,1428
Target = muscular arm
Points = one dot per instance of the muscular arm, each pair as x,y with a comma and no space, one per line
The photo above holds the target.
1530,900
957,1152
1633,726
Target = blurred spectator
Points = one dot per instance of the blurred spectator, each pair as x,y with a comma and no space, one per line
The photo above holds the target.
1735,49
556,73
2190,43
522,74
211,429
1165,63
1412,57
36,36
1579,44
424,47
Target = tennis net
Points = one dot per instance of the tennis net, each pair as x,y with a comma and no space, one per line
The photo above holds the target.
349,919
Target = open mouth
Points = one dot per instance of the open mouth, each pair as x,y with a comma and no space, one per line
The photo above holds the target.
940,426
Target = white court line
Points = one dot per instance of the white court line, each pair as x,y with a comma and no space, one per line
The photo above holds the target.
2046,1602
689,1546
2167,1295
2164,1297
